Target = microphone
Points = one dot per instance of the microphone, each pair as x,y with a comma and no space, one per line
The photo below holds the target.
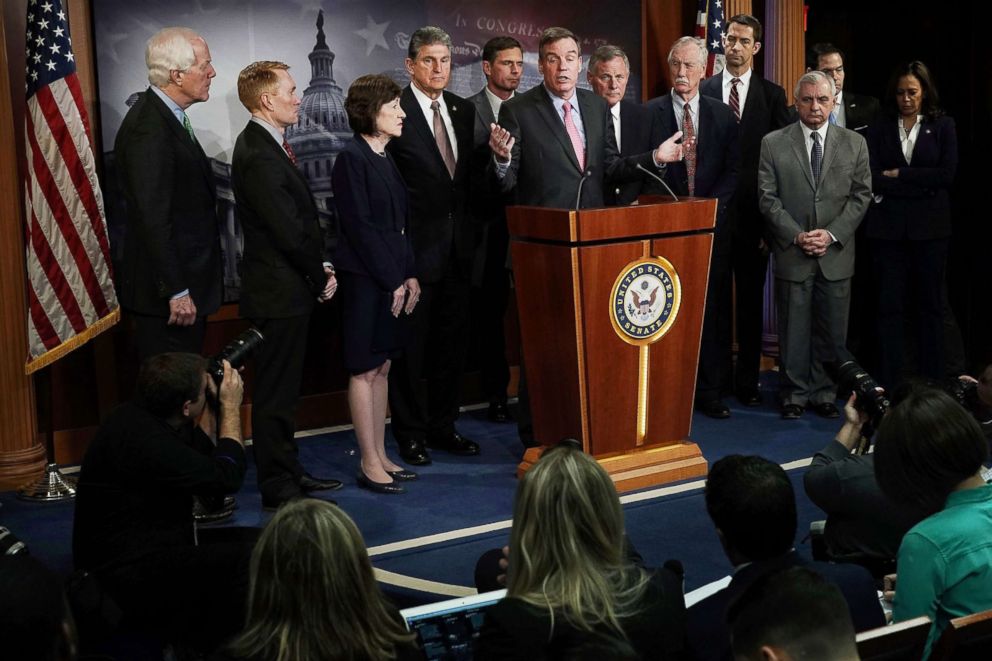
582,182
658,179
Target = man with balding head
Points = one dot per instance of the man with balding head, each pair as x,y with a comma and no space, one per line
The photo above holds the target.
170,278
608,75
814,188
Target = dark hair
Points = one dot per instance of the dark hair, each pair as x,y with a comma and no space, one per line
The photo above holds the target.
168,380
366,96
427,36
497,44
551,35
925,447
930,107
751,501
748,21
822,49
795,610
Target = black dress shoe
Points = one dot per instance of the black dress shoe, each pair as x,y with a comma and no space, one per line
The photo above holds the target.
310,483
714,408
413,452
791,411
499,412
749,396
402,475
825,410
379,487
455,444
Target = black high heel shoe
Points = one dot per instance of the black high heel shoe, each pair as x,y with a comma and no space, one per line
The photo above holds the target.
402,475
378,487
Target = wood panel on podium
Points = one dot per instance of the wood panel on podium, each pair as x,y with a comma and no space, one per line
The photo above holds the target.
611,308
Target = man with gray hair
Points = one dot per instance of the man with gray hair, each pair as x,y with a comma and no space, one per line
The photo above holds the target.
434,155
814,187
710,140
608,74
170,278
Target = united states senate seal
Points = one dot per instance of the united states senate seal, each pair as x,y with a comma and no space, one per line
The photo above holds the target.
645,300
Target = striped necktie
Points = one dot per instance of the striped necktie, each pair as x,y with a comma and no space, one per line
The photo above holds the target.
735,98
816,158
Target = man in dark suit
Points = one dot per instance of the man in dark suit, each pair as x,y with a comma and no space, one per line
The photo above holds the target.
814,188
434,155
608,74
753,506
170,278
556,136
760,107
283,274
851,111
710,143
503,65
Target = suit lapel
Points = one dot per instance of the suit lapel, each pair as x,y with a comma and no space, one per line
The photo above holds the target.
179,132
381,166
799,150
628,130
460,111
754,104
546,109
594,124
830,147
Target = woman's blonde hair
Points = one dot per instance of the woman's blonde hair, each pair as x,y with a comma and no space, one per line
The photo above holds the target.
313,595
566,545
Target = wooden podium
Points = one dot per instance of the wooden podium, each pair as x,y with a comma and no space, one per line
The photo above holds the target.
611,308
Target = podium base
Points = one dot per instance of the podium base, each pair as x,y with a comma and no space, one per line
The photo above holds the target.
641,469
51,487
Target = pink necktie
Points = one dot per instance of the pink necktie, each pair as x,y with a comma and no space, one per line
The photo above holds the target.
289,152
573,135
689,149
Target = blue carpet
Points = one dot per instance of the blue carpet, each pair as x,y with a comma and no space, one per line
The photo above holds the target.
461,492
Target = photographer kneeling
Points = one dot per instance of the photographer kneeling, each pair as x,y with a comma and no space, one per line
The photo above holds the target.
863,524
134,528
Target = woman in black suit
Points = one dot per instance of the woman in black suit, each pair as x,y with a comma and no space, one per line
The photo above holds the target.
914,154
375,268
572,592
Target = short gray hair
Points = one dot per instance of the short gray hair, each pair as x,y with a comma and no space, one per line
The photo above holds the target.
427,36
689,41
605,54
814,78
169,49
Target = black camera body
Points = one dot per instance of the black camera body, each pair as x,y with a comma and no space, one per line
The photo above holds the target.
870,398
236,352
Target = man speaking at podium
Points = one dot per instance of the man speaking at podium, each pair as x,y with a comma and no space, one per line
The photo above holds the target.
554,146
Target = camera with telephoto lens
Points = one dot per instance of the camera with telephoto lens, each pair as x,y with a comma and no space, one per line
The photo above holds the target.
869,396
964,393
236,352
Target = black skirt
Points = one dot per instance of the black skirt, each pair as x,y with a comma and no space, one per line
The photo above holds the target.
371,333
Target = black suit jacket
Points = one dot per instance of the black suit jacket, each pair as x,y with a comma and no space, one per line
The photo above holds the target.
371,201
544,170
171,242
860,112
709,635
439,220
282,272
916,204
765,110
635,138
717,156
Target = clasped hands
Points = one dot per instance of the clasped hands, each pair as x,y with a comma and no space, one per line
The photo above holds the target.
408,291
182,311
814,243
330,286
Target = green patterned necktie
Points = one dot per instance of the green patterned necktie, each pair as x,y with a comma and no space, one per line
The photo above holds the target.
189,128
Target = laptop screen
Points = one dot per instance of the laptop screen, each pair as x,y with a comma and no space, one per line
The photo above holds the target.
448,630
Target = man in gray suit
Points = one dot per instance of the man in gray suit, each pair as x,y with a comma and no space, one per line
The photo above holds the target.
503,66
814,187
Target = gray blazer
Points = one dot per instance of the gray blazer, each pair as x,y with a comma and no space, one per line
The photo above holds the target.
792,203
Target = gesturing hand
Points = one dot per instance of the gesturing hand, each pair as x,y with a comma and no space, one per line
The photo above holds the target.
500,142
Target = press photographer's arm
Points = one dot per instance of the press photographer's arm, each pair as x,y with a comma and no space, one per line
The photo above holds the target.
226,405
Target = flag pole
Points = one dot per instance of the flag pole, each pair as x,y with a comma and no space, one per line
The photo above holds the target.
52,486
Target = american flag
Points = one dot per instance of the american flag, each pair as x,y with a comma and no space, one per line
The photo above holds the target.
710,27
70,291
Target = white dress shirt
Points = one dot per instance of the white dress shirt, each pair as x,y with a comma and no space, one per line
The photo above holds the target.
742,87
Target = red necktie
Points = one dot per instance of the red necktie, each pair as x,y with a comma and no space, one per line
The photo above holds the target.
289,152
